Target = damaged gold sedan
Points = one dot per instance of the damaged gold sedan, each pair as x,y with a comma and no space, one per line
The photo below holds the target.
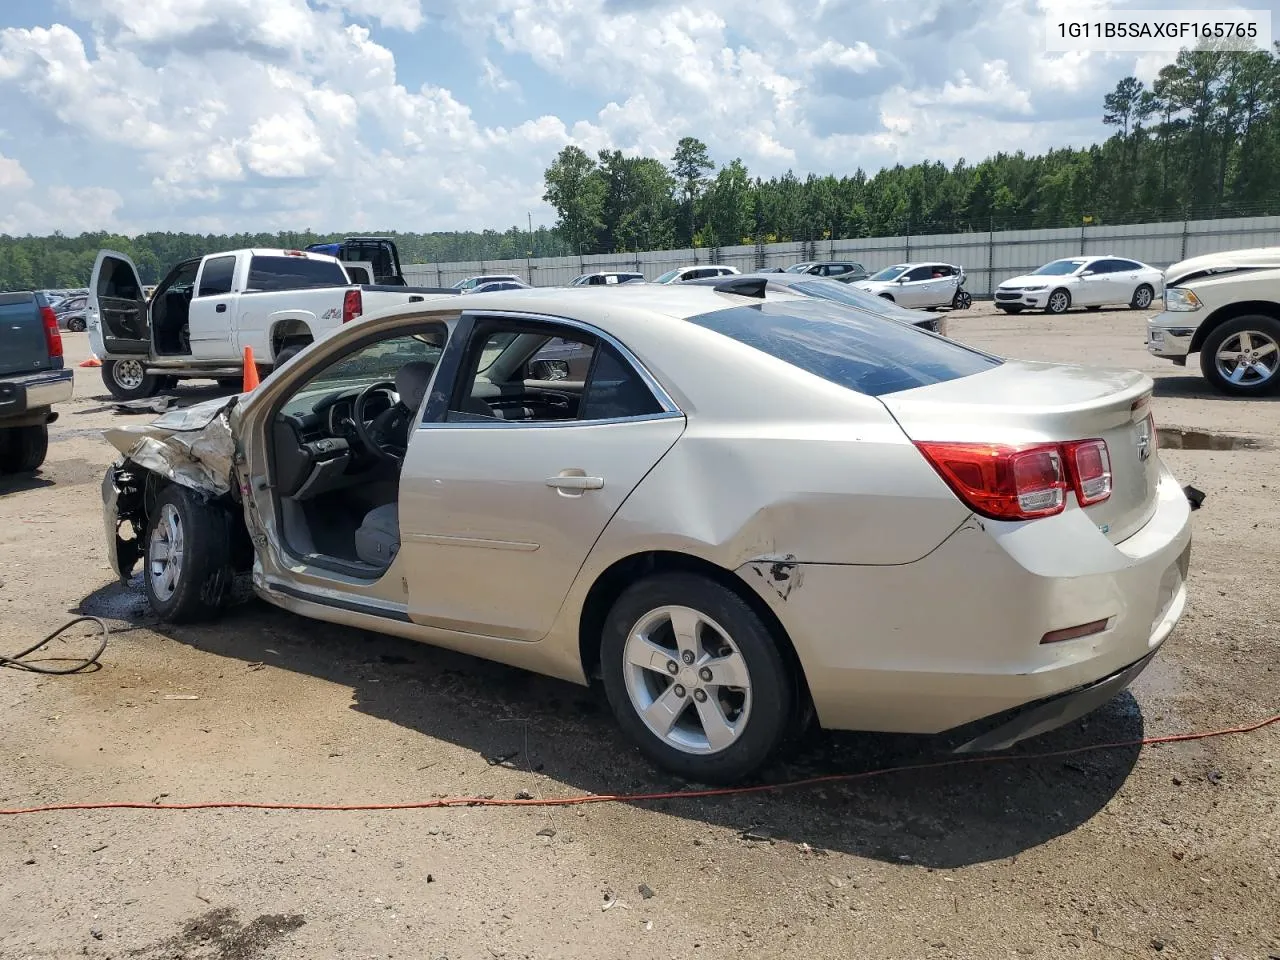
741,511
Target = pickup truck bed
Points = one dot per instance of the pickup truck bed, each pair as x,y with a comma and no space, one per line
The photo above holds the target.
32,379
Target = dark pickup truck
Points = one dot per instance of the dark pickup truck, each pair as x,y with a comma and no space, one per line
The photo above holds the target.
32,379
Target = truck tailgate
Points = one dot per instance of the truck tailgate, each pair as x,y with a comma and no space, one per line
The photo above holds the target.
23,347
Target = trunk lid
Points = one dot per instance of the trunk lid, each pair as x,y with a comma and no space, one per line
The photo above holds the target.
24,348
1020,402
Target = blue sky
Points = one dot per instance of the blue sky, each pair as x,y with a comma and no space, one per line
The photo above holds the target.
226,115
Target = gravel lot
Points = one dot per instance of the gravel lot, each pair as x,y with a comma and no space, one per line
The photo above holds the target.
1167,850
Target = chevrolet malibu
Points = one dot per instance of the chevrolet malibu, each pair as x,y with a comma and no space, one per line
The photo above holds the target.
745,514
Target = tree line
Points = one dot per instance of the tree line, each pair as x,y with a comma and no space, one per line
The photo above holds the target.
1202,141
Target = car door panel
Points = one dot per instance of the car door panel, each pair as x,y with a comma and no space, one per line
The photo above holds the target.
497,519
117,312
212,316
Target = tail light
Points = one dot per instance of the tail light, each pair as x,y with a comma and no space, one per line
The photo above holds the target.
1004,483
352,306
1090,465
52,336
1022,483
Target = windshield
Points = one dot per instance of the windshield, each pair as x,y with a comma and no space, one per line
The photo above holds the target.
797,268
890,273
377,361
1059,268
667,277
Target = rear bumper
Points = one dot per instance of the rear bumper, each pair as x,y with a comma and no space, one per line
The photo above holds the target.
34,392
955,637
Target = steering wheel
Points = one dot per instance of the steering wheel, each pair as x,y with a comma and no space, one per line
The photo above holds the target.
372,435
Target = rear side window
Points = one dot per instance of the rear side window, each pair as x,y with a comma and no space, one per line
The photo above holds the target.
616,390
215,279
866,354
294,273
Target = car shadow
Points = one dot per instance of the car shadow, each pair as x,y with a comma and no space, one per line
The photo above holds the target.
21,482
1192,387
974,812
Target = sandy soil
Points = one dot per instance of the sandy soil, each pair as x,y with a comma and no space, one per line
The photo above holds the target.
1168,851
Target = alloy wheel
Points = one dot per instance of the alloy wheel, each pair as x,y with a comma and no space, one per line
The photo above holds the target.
164,553
1142,299
1059,302
687,680
1248,358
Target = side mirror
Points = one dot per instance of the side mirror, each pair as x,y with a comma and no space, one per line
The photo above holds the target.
549,370
1086,273
902,279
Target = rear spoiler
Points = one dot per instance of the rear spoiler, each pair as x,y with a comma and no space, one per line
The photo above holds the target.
744,287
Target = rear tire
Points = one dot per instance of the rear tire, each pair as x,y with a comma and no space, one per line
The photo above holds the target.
23,449
1142,297
747,719
77,325
963,300
1059,302
187,571
128,380
1260,334
287,354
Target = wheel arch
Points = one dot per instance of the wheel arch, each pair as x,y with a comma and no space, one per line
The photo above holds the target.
610,584
1229,312
288,330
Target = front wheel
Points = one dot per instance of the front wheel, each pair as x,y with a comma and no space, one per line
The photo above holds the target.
76,325
963,300
695,678
1241,358
128,379
23,449
1059,302
187,566
1142,297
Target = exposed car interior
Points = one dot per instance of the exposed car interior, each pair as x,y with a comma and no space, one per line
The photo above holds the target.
339,441
171,310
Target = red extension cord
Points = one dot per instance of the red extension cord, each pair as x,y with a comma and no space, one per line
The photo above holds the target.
635,797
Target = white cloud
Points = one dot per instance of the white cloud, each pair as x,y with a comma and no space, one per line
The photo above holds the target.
12,176
242,114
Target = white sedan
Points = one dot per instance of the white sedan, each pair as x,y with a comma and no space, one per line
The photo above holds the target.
1090,282
920,286
744,513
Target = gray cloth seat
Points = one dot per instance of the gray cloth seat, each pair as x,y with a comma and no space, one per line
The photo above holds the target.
378,537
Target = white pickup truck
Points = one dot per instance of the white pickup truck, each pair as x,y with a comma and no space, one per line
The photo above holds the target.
208,309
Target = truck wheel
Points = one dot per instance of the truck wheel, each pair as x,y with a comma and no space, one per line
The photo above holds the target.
128,379
285,355
695,678
23,449
1241,358
187,564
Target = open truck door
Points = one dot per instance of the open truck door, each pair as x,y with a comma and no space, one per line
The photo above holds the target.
117,315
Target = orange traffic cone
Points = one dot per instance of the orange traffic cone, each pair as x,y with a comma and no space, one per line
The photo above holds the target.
93,361
250,370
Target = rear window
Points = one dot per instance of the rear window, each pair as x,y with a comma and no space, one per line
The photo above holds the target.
294,273
866,354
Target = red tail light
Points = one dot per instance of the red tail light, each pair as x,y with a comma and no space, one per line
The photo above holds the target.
352,306
1004,483
1089,463
52,337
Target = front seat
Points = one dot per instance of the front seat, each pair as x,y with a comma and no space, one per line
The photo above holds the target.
378,537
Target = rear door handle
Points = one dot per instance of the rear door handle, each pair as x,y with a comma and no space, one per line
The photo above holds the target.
576,483
221,308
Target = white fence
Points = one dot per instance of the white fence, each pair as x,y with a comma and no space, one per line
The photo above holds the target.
988,258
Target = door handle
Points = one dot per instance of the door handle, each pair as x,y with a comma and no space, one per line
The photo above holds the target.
575,483
221,308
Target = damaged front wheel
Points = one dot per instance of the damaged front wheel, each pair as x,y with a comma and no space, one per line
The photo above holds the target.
187,566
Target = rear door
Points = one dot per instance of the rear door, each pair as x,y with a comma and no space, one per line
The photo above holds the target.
502,498
24,347
118,316
213,310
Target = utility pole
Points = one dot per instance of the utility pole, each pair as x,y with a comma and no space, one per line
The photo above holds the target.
530,215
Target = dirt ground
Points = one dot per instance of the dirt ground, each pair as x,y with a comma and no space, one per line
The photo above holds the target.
1164,851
